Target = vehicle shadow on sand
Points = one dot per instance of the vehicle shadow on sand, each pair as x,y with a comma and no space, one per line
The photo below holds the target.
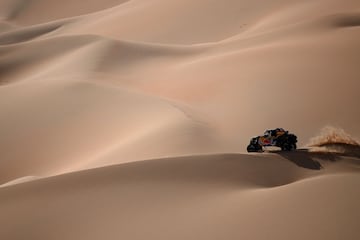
307,159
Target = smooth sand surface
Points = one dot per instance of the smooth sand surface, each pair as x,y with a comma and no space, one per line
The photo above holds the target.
130,119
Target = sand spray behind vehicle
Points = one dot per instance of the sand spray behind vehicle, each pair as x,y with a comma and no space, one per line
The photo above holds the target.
333,139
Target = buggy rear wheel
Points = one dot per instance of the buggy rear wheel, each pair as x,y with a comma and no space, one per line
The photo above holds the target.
288,147
254,148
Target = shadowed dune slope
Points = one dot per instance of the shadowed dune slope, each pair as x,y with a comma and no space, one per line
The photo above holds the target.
206,197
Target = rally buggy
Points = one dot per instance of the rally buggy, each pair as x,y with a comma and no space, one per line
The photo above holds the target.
277,137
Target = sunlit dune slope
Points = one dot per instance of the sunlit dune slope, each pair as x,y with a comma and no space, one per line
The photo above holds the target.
71,126
244,65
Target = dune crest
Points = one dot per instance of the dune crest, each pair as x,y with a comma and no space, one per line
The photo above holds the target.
19,181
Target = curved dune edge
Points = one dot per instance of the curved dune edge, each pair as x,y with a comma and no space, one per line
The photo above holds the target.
19,181
255,170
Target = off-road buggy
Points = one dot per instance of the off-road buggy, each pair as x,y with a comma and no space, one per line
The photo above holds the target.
277,137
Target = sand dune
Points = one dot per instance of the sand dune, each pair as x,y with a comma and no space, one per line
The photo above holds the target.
129,119
212,196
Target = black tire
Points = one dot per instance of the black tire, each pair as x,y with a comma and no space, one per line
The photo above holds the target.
287,142
254,148
288,147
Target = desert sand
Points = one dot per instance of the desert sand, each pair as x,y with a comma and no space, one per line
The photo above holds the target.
129,119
